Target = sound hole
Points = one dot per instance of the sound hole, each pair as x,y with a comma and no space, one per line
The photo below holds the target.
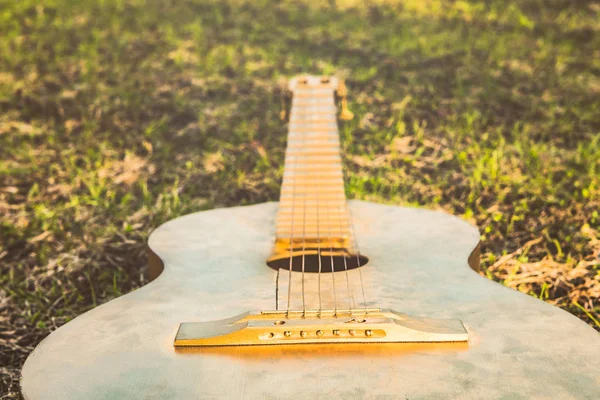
311,263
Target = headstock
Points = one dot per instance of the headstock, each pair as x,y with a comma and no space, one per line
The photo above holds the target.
313,82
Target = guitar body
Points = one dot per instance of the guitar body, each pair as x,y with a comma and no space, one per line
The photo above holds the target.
214,268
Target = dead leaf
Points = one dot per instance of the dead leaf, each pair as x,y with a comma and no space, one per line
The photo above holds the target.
10,189
213,162
126,171
148,146
404,145
39,237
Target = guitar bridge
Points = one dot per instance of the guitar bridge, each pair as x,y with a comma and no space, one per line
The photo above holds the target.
319,326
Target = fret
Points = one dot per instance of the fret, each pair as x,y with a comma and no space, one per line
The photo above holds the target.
312,121
313,204
330,123
313,145
312,152
312,102
294,158
313,218
307,155
327,223
302,195
303,190
312,134
312,112
311,213
313,148
300,211
344,223
305,193
313,90
297,162
331,168
322,200
322,219
318,169
310,234
314,94
322,229
322,204
314,128
295,128
316,174
317,164
343,226
313,183
324,208
322,95
311,176
320,137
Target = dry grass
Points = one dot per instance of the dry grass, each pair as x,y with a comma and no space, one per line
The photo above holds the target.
116,116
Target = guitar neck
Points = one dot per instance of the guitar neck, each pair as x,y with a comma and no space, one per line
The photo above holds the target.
313,203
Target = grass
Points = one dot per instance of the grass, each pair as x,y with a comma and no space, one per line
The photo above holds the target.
116,116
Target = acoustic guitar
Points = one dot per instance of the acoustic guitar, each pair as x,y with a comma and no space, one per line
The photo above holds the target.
278,301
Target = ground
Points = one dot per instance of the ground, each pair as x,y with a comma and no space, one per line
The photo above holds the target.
116,116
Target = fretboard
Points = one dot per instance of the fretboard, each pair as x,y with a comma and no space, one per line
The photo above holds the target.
312,206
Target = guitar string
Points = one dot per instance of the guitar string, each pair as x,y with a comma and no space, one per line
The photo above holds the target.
305,195
319,254
351,304
340,238
319,259
294,163
331,257
356,249
309,121
341,212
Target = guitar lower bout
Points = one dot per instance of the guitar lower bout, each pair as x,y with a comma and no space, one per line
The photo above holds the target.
517,346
